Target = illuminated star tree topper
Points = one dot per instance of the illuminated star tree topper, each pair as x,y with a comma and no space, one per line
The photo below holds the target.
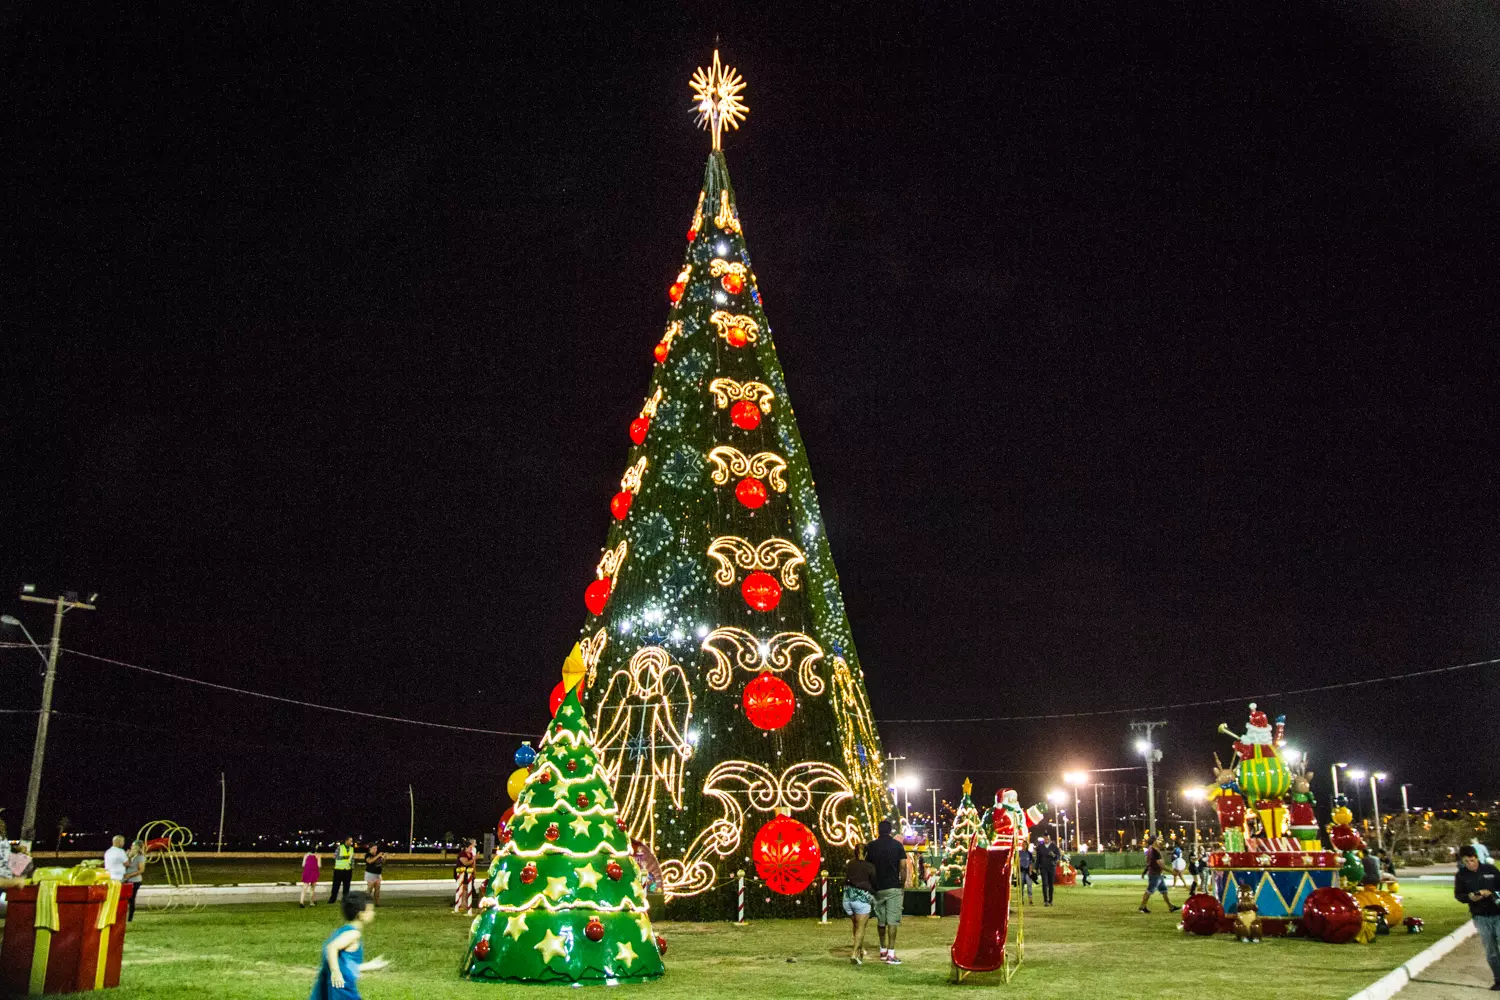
718,91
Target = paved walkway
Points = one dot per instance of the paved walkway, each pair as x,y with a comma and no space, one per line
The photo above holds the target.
1462,973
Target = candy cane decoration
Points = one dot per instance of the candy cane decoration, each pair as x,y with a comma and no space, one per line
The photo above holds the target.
824,919
740,898
932,886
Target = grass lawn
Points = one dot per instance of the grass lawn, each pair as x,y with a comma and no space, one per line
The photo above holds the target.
240,871
1091,944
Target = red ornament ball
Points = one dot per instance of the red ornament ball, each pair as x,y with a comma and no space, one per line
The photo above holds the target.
786,855
504,834
552,832
769,701
736,337
619,504
752,493
675,292
692,235
582,801
614,871
1201,914
661,946
528,874
596,596
661,350
545,778
572,766
558,694
482,947
621,824
638,428
594,929
1331,915
761,591
745,415
733,284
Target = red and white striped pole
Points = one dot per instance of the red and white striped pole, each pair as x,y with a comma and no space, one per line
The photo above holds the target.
740,898
824,920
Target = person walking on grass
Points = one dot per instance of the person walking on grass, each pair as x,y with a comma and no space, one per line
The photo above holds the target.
1179,868
374,865
859,900
1156,877
1476,884
1083,870
308,893
343,955
1023,865
1046,863
889,858
343,869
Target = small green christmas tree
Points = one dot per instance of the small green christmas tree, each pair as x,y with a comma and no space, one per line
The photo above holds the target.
564,902
956,847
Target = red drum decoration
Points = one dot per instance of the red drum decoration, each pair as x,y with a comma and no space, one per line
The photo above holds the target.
733,284
594,929
1201,914
761,591
786,855
638,428
745,415
1331,915
596,596
619,504
769,701
752,493
482,948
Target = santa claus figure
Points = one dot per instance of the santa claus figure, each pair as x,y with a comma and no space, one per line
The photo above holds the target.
1010,823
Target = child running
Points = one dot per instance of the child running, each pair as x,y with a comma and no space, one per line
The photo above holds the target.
344,952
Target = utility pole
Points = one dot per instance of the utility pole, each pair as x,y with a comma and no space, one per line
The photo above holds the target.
936,839
222,795
1149,750
411,836
63,604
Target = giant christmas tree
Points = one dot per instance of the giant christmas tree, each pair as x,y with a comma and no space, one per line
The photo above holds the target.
723,684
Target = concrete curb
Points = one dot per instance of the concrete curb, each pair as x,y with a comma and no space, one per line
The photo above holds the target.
278,892
1395,981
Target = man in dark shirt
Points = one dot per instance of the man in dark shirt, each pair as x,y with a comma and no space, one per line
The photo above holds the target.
1477,884
1046,860
889,858
1156,878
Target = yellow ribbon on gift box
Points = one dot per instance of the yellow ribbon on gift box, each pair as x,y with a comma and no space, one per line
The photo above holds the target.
108,914
47,923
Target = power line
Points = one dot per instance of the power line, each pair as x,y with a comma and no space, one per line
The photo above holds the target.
1212,701
297,701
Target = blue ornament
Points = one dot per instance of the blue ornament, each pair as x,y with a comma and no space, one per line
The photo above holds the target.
526,755
859,748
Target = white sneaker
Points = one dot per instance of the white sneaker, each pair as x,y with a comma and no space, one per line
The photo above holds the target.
893,960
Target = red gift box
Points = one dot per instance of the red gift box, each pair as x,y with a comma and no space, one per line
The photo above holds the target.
83,945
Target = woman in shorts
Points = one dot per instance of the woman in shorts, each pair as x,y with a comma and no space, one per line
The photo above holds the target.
374,866
859,897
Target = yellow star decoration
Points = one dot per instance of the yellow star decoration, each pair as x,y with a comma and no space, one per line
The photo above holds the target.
557,887
645,928
718,92
567,710
625,953
588,877
515,926
502,880
580,826
528,821
551,946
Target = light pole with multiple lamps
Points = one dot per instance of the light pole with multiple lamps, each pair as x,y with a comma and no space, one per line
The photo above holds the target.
1376,776
1078,779
1152,754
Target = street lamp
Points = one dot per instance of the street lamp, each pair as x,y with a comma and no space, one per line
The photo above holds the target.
1375,804
909,784
936,839
1333,771
1077,779
1057,797
1194,795
1357,775
1406,814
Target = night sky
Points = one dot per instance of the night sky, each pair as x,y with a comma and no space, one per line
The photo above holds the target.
1140,359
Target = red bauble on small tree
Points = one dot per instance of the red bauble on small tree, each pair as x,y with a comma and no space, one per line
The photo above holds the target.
761,591
769,701
786,855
